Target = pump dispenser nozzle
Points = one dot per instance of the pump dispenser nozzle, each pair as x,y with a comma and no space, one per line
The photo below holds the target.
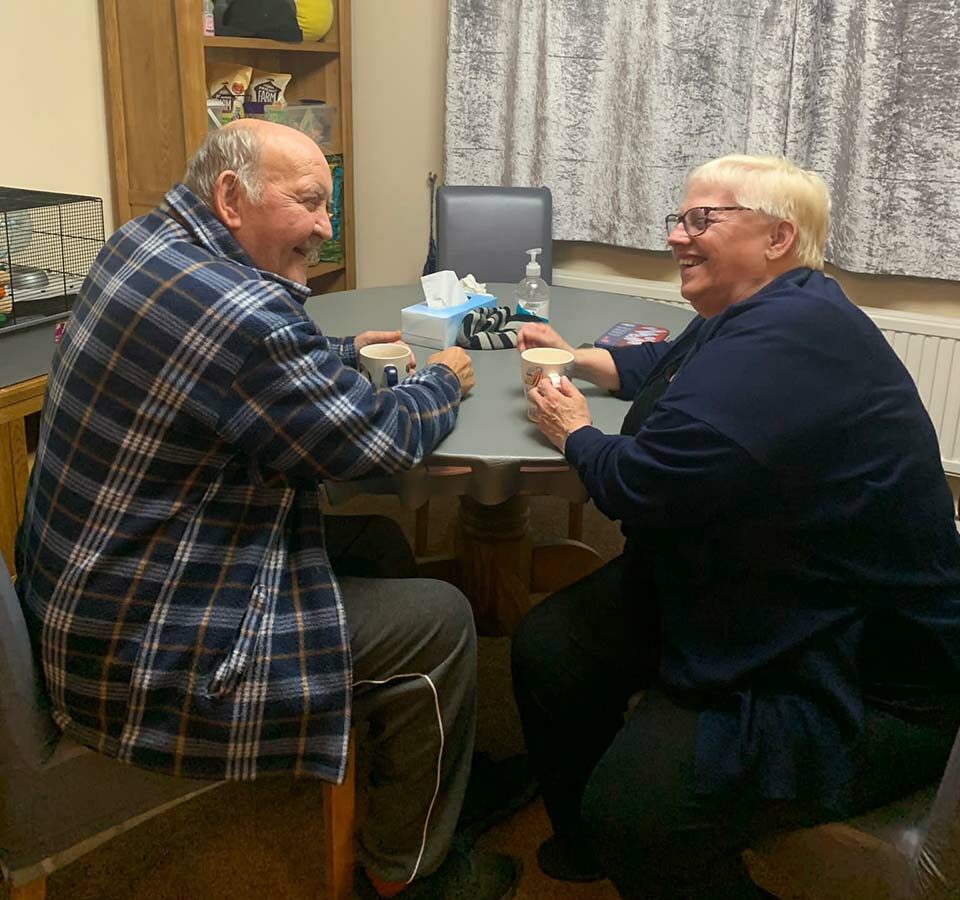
533,267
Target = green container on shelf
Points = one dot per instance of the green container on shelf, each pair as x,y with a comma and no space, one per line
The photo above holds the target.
315,120
332,250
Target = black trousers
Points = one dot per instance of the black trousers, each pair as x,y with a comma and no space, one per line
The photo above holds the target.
623,786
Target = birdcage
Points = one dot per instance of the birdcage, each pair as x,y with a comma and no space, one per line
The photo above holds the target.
48,242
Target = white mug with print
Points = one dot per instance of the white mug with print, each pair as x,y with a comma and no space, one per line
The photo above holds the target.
542,362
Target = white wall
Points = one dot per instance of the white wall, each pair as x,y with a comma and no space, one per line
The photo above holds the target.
399,72
54,132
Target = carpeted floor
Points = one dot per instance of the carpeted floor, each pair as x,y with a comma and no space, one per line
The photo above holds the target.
262,840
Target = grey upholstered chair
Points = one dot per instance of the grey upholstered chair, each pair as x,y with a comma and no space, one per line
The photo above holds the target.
59,800
908,850
486,231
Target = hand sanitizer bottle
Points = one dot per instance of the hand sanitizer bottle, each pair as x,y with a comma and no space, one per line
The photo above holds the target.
533,293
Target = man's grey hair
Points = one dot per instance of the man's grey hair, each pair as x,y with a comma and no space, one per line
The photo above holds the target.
234,149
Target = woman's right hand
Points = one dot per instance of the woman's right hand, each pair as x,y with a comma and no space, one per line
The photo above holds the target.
536,334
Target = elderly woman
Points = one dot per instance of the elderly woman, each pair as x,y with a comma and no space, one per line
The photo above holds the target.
779,642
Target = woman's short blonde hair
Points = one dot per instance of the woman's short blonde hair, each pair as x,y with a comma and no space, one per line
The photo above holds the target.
774,185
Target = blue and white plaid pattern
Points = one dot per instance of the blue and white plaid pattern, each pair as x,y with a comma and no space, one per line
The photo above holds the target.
172,553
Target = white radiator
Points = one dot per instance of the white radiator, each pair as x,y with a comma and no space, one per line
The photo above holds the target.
929,347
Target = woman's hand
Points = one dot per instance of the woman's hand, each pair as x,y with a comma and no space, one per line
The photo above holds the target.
537,334
562,410
591,364
365,338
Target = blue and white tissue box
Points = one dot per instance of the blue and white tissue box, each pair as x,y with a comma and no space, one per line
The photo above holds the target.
438,327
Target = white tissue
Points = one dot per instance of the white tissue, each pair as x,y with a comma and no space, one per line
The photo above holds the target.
442,289
472,286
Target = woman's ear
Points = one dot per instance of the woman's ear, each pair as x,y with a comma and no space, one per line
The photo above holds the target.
783,237
226,197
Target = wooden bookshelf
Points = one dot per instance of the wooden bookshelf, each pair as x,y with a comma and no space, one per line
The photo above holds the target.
155,58
262,44
324,268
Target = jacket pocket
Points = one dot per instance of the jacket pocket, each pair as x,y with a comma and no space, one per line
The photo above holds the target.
234,667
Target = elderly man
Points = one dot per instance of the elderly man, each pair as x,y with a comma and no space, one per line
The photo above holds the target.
789,591
178,575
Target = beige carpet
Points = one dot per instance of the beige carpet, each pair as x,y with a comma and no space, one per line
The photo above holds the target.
263,840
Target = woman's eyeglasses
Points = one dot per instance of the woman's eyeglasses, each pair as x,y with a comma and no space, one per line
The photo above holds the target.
696,220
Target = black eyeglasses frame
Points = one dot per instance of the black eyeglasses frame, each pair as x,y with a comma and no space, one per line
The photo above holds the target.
673,220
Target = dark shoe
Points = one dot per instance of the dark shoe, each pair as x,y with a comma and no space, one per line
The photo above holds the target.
496,791
463,876
568,862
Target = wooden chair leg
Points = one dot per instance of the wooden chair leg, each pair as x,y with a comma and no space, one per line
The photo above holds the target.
32,890
338,832
575,522
421,529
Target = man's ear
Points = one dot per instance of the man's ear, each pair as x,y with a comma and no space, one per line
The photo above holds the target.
783,237
226,199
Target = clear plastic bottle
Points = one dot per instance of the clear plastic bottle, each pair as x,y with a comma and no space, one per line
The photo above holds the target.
533,293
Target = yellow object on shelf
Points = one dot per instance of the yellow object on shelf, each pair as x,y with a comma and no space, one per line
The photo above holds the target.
314,18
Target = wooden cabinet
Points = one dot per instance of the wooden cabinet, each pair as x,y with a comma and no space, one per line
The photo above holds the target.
155,56
17,401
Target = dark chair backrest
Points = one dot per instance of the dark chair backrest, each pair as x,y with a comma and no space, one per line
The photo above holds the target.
27,732
486,231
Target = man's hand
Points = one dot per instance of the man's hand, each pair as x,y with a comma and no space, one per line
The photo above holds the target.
456,358
365,338
562,410
537,334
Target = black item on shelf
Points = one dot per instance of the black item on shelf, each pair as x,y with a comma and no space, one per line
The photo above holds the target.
48,242
273,19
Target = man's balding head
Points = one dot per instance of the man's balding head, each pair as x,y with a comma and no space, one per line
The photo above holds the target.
238,147
269,185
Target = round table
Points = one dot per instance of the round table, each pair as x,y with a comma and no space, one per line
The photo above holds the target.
495,457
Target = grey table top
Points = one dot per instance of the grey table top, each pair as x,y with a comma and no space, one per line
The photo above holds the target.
492,428
26,353
494,452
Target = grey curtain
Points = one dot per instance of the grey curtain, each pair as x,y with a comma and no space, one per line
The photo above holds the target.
610,102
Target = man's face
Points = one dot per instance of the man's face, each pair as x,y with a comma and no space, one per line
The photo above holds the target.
728,262
290,219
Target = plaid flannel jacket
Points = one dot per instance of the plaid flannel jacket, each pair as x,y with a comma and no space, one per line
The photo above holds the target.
173,566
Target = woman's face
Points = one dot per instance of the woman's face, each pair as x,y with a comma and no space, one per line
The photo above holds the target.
728,262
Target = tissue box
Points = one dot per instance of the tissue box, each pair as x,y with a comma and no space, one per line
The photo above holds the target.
438,328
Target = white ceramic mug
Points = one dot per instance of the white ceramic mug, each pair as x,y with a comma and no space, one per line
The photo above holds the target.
542,362
384,364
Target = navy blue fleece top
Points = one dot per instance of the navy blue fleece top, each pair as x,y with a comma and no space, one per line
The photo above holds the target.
787,491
